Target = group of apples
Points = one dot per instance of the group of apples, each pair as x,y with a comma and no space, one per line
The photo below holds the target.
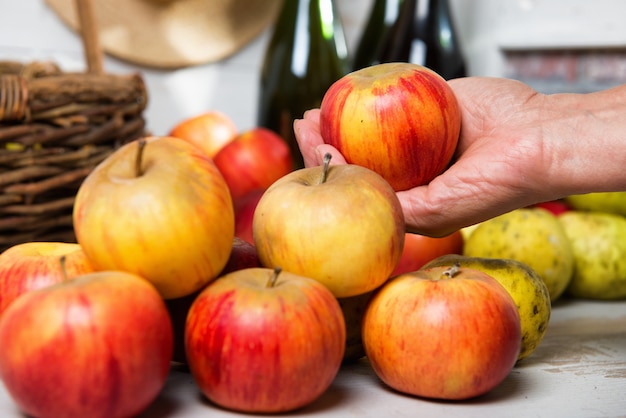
219,255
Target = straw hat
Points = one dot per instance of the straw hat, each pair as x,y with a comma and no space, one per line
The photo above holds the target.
173,33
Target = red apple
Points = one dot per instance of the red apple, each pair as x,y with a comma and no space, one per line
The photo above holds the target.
170,220
253,160
99,345
210,131
401,120
341,225
420,249
264,342
557,207
444,333
242,256
33,265
244,214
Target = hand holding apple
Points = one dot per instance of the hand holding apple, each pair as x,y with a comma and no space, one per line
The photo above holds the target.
443,333
401,120
97,346
264,341
341,225
160,210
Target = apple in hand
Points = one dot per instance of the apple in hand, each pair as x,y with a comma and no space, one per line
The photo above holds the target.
210,131
264,341
401,120
99,345
420,249
159,208
243,255
253,160
445,332
341,225
34,265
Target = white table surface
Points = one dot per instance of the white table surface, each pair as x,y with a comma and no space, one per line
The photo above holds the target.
579,370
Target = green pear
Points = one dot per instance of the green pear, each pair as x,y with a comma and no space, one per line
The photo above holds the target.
611,202
599,245
525,286
533,236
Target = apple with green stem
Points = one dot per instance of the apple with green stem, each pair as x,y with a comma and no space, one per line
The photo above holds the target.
339,224
157,207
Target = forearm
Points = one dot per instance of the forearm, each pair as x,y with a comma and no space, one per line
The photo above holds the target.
585,141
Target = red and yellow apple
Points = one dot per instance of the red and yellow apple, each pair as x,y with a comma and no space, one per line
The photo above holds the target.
160,210
420,249
445,332
263,341
210,131
99,345
253,160
244,214
34,265
339,224
401,120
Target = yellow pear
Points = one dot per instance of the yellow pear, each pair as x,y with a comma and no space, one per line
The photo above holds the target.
525,287
533,236
611,202
599,244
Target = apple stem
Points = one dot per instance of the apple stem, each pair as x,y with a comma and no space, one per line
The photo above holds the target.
62,261
272,280
327,158
141,145
453,270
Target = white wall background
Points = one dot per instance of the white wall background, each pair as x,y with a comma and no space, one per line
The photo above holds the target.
30,31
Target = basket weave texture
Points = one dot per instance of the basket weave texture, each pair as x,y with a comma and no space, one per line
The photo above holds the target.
55,127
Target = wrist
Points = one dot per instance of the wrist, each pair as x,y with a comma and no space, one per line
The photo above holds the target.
585,139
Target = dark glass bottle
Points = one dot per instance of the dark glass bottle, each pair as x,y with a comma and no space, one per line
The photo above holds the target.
376,34
410,31
443,51
306,54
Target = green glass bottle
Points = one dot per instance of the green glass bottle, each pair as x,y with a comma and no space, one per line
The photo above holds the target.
306,54
421,32
443,49
375,34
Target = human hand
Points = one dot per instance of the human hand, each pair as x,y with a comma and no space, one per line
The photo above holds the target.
310,142
499,165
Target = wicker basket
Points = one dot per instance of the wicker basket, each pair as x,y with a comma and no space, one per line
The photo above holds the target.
55,127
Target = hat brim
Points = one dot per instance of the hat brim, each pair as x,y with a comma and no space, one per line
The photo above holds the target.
173,33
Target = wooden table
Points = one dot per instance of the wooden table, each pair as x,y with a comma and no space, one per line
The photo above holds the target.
579,370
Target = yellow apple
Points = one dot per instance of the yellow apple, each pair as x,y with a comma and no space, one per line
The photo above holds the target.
341,225
169,219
